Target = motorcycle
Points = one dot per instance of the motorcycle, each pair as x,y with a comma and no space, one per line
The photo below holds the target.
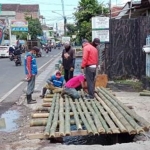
18,60
11,57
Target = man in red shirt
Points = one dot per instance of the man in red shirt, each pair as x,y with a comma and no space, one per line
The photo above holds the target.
89,64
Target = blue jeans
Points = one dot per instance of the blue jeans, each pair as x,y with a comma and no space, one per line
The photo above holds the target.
72,92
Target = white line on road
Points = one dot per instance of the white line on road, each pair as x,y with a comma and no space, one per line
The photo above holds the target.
20,83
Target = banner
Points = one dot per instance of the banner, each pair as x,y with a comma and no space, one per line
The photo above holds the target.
18,25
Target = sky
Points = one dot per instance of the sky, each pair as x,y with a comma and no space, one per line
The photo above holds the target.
47,6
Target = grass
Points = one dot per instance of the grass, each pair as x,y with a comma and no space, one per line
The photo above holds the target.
137,85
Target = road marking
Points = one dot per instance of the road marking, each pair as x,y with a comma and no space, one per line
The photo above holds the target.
13,89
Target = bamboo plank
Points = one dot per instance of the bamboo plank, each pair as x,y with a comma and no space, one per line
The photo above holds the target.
46,104
107,129
43,122
111,124
42,136
49,96
42,109
61,118
144,93
89,130
55,119
88,117
138,118
51,114
96,118
67,117
119,109
79,127
113,116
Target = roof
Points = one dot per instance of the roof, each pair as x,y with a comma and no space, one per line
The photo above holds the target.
20,8
115,10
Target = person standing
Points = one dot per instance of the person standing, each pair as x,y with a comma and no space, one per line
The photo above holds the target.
68,61
31,72
89,64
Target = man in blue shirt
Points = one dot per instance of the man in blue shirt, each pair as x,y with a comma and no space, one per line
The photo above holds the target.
54,84
31,71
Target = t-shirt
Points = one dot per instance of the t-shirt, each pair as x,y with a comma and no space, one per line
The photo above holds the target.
75,81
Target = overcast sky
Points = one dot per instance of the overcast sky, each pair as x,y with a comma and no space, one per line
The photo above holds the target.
47,6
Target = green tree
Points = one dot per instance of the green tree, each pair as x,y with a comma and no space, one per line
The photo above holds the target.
34,27
72,29
85,11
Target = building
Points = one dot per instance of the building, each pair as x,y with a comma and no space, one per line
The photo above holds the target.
19,12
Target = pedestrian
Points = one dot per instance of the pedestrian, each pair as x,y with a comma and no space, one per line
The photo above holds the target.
54,83
73,85
89,64
31,72
68,61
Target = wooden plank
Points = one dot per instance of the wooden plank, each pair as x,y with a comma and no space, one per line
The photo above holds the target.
101,80
42,136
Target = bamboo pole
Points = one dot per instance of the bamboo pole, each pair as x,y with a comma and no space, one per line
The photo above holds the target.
98,124
51,114
79,127
49,96
111,124
144,93
130,112
107,129
112,115
43,122
61,118
88,117
42,109
126,119
67,117
47,100
55,119
46,104
83,118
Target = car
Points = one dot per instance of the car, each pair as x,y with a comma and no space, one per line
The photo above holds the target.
4,51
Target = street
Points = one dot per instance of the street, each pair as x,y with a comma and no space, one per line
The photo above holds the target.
11,77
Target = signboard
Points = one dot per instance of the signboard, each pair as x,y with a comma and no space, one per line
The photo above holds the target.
18,25
103,35
99,23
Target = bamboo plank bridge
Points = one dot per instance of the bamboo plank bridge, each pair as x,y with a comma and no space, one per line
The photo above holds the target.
103,115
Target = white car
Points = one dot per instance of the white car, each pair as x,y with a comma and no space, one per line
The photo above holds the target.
4,51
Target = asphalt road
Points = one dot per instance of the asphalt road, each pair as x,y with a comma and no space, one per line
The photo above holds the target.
11,75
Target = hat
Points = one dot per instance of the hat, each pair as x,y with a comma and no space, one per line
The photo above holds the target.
35,48
96,40
58,73
84,41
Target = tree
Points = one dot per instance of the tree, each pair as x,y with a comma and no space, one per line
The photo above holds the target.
71,29
34,27
85,11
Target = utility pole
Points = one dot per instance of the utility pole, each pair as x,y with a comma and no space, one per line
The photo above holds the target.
65,19
110,8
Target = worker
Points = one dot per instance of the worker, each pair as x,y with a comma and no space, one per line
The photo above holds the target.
54,84
73,85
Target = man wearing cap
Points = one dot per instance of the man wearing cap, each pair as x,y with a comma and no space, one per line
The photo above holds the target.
96,44
54,84
89,64
68,61
31,72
